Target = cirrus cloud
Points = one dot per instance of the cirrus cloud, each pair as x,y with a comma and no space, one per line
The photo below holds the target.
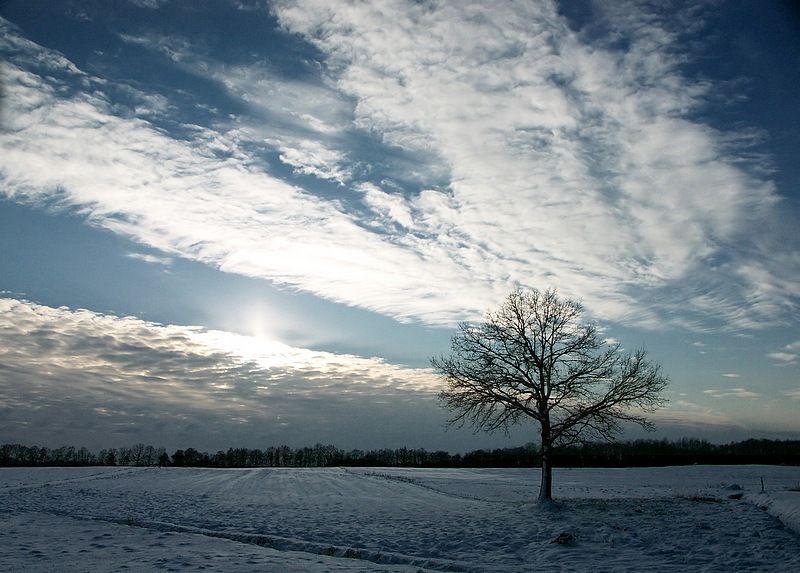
515,151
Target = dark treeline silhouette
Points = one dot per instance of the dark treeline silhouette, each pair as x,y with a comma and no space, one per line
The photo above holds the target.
638,453
686,451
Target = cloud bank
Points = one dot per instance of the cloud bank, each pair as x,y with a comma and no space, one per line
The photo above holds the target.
73,373
98,380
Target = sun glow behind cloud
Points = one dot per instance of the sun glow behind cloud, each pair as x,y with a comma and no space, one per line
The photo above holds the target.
120,371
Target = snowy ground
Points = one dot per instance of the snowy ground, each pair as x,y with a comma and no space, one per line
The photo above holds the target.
347,520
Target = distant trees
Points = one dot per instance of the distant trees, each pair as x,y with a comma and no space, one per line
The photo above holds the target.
533,359
137,455
589,454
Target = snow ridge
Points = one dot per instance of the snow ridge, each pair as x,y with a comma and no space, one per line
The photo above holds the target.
783,505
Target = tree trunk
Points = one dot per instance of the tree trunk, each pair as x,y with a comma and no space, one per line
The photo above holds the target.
546,488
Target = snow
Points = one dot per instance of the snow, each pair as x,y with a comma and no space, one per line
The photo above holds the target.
784,505
403,520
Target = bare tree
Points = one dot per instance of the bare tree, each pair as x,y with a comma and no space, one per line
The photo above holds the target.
138,452
533,359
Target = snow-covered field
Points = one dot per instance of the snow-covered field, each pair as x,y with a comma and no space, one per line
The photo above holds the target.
345,519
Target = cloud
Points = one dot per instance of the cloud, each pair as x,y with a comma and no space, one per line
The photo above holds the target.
151,259
390,209
788,355
181,198
729,375
439,156
85,378
786,358
152,4
304,121
688,416
538,127
732,393
65,371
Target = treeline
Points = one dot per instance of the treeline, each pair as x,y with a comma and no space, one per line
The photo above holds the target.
683,452
638,453
282,456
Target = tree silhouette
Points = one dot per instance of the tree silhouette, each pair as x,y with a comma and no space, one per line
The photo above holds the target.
533,359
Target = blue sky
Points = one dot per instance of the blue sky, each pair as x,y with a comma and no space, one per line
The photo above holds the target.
249,223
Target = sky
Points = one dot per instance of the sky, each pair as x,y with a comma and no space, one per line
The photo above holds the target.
244,223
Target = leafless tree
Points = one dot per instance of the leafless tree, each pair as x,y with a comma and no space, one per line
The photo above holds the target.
533,359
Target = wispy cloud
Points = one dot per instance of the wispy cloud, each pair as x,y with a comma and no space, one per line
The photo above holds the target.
785,358
65,369
151,259
788,355
539,128
732,393
540,157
